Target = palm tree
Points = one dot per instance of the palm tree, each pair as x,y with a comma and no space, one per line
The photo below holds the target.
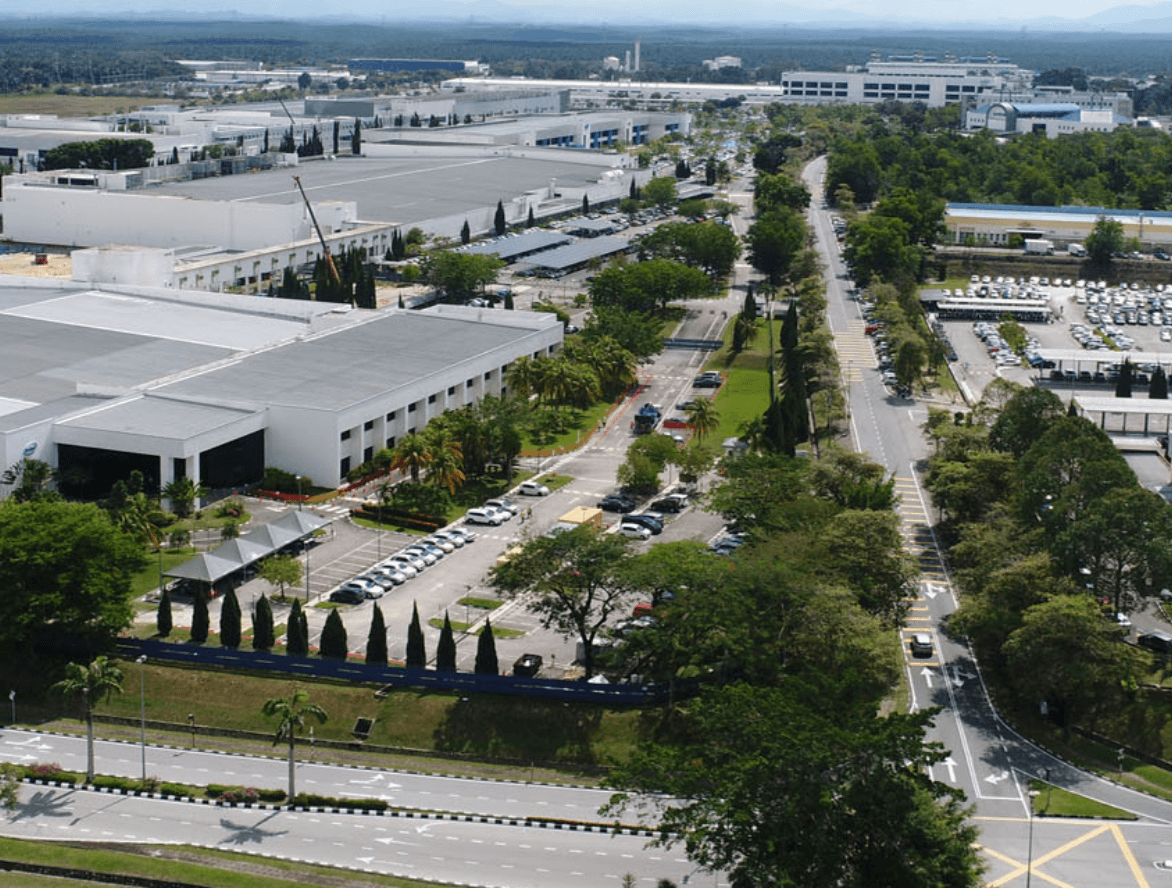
703,417
447,459
521,377
184,494
292,713
102,676
413,455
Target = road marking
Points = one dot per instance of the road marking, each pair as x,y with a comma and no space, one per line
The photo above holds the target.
1128,857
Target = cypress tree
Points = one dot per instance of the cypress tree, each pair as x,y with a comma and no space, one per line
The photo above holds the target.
749,309
262,625
585,204
230,620
633,193
416,651
499,222
486,659
1158,387
337,134
297,632
376,642
356,138
1123,386
509,300
531,221
199,619
445,651
163,617
265,148
1072,408
465,233
334,645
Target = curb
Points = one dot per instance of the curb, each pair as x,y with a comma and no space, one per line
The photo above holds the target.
538,822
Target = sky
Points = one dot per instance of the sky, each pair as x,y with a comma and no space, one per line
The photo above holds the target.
618,11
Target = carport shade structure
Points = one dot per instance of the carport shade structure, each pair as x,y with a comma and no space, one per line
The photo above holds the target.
211,567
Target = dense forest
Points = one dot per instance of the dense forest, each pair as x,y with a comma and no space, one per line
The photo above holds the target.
42,52
1125,169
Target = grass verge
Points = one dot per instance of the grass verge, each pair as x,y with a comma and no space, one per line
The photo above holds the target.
1052,801
181,864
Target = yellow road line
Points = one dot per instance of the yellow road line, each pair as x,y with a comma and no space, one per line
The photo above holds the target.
1128,857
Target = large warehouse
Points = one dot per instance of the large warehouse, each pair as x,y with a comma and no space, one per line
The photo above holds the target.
100,382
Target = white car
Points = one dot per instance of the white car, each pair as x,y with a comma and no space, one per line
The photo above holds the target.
422,554
503,505
456,539
440,543
532,488
425,551
390,572
463,533
635,531
401,565
401,558
486,516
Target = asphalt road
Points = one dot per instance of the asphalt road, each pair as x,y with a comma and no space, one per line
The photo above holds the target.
444,851
987,760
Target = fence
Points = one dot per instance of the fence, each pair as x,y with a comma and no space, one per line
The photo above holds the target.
394,676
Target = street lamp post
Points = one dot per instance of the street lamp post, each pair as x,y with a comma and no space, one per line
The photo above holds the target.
1033,793
141,661
299,493
307,571
191,724
12,700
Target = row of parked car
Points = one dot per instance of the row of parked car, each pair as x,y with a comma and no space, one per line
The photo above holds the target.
398,568
497,511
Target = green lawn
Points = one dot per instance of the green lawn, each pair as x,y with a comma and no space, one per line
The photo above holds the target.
745,393
216,869
507,728
1051,801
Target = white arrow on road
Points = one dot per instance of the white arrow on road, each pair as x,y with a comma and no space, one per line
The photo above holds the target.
927,673
996,778
930,590
950,764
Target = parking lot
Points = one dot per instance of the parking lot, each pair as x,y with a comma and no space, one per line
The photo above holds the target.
1104,322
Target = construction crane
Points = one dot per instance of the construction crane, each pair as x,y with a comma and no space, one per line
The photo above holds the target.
321,239
312,217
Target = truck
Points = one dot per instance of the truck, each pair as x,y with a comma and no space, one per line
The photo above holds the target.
646,419
1076,250
1039,246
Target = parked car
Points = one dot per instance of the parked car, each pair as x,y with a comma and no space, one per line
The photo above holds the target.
532,488
456,539
469,536
446,546
652,523
707,381
503,505
1156,640
391,572
635,531
416,562
402,565
616,503
348,594
428,558
673,502
485,516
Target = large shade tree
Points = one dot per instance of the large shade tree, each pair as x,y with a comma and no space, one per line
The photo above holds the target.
575,580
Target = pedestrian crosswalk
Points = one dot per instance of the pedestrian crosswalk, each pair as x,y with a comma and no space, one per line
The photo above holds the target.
915,528
856,352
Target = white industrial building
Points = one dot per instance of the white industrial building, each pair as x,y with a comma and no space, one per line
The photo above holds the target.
100,382
914,78
995,224
1053,119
